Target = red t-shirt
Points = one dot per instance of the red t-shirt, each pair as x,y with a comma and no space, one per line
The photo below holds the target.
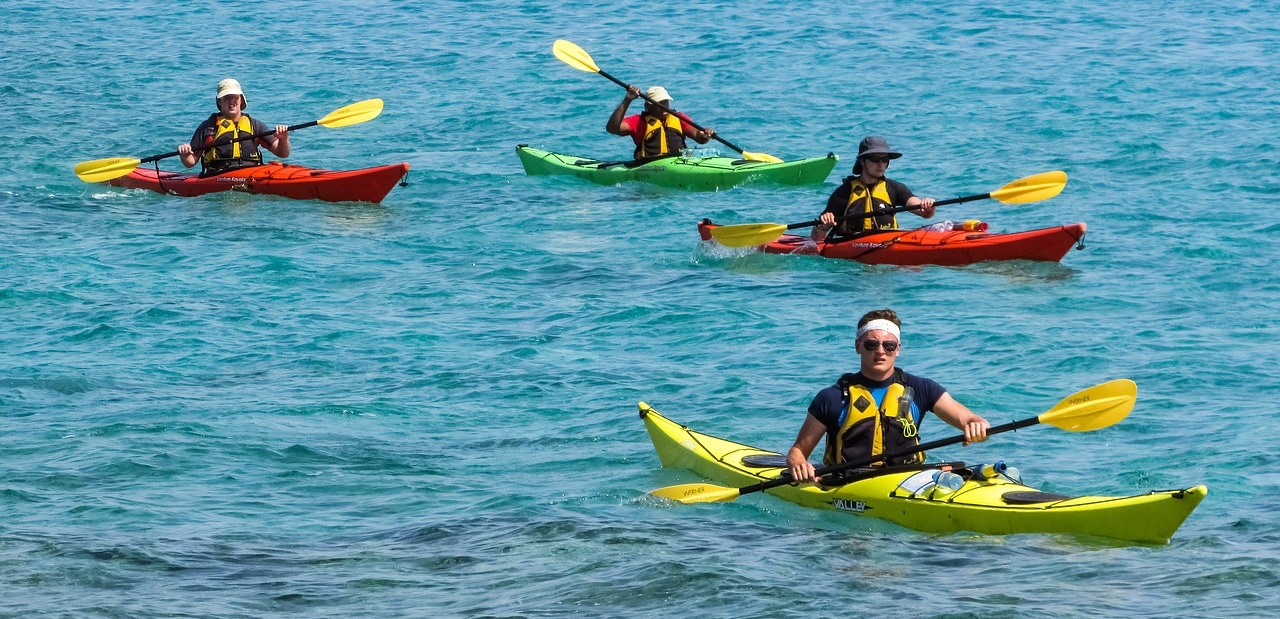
633,126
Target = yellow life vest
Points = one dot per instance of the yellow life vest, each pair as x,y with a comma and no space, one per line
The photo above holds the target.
237,153
862,200
868,430
660,137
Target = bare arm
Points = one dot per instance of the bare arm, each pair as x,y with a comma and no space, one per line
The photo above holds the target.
614,125
960,417
798,456
278,143
926,209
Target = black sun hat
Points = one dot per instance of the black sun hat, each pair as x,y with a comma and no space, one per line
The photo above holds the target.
874,145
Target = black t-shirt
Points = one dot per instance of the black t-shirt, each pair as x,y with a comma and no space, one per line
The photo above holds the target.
839,200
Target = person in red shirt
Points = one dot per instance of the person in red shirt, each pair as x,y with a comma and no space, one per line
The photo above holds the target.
658,131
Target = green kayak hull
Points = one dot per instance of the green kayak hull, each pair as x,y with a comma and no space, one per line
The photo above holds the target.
696,173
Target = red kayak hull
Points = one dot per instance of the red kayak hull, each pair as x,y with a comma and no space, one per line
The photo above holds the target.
277,179
921,246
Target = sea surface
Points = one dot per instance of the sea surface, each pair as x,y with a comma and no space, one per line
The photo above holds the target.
247,406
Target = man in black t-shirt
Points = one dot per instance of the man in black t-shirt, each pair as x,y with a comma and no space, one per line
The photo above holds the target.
868,192
879,409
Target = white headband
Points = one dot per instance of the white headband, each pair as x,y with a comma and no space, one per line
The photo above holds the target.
880,325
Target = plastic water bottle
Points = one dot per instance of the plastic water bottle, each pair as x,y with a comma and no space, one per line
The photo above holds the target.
1012,474
941,226
947,482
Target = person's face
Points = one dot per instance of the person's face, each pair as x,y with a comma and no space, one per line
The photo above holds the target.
230,104
875,165
875,350
656,110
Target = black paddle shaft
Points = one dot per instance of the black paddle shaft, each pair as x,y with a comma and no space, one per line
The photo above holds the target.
785,478
255,136
893,211
691,123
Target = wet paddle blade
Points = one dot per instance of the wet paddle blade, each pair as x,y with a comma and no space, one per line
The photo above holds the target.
1096,407
747,235
1032,188
762,157
697,493
102,170
574,56
354,114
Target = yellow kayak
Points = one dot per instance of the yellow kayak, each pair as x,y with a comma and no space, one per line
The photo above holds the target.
911,496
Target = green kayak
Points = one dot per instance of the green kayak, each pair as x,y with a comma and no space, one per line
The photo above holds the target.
698,173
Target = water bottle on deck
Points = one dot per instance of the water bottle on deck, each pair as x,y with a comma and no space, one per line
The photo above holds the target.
947,482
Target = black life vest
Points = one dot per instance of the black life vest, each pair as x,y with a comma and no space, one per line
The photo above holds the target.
660,138
864,200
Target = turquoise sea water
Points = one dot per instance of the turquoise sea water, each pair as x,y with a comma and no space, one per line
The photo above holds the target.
242,406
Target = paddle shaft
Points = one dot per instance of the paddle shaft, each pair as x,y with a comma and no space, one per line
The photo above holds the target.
893,211
691,123
785,478
255,136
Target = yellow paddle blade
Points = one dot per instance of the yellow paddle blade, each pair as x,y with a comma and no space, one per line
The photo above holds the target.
697,493
102,170
354,114
1096,407
574,56
1032,188
749,156
747,235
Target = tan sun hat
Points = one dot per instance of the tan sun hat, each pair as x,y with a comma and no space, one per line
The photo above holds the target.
658,93
232,87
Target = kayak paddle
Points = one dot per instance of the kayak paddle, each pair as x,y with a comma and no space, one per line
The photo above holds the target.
100,170
1030,189
1096,407
579,59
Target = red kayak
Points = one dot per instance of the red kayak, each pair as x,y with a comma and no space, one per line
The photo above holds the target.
941,247
277,179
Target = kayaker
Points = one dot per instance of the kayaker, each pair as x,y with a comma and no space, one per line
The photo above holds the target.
657,131
862,414
868,191
216,134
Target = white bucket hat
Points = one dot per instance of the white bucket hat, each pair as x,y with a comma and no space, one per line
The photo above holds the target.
658,93
232,87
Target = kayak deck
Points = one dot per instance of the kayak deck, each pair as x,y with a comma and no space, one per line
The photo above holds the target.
275,178
697,173
907,497
920,246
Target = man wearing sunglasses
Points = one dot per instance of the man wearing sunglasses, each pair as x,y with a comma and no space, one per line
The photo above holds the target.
868,192
879,409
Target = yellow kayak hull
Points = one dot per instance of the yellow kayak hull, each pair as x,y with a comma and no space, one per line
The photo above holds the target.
997,506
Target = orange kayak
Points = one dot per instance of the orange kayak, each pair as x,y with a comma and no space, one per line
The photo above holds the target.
277,179
923,246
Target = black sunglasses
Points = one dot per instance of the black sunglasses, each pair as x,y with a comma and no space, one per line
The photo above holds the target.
872,345
877,159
